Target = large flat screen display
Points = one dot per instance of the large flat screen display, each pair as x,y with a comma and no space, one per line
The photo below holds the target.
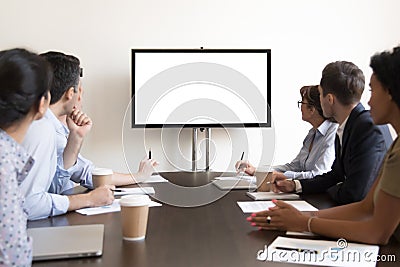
201,88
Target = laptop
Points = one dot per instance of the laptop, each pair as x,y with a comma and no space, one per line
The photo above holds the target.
65,242
234,184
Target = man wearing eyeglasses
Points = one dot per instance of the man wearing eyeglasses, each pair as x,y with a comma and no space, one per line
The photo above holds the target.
359,145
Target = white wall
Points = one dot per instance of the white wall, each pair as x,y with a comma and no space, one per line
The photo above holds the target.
304,36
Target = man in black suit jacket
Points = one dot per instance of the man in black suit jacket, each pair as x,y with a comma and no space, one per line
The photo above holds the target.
359,144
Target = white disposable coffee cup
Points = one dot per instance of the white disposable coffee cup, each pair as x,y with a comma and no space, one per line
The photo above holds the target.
101,176
134,215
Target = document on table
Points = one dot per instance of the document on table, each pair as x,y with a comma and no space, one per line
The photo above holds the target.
114,207
155,179
237,178
271,195
319,252
134,191
256,206
300,233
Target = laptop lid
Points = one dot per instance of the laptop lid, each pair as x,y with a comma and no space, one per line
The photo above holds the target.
63,242
234,184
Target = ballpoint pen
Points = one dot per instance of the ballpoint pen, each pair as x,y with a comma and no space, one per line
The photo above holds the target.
117,190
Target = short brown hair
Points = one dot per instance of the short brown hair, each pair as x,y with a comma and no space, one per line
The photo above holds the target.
344,80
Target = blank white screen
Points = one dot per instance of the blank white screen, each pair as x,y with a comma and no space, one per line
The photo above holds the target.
200,88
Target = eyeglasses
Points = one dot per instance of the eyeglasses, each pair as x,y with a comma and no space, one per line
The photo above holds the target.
81,72
299,103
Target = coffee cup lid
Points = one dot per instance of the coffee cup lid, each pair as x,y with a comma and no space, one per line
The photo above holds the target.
102,171
134,200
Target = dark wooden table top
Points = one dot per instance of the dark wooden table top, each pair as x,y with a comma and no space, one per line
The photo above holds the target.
214,234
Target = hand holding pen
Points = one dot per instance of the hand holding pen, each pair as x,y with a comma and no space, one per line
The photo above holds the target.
244,166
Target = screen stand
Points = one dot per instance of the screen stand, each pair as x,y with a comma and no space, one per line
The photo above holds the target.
194,148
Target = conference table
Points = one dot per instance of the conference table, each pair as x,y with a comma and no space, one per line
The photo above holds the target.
210,234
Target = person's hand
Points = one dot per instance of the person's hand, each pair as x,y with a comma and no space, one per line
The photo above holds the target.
146,168
280,183
101,196
283,217
245,166
79,123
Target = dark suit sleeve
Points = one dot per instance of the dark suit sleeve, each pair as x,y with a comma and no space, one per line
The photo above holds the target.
350,179
365,154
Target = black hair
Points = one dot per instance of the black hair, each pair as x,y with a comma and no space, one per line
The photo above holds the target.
25,78
311,94
386,67
344,80
66,71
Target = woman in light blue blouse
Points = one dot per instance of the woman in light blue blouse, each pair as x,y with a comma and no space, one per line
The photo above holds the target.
25,80
318,151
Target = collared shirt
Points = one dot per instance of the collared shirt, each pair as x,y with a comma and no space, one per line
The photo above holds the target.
309,163
80,173
340,130
40,142
15,163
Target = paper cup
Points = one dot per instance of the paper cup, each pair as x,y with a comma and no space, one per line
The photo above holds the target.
101,176
134,215
262,179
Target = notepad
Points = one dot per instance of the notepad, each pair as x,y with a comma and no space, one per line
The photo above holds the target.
234,184
155,179
114,207
237,178
134,191
271,195
257,206
319,252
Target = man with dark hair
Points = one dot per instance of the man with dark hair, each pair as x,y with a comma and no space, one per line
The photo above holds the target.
359,145
58,152
68,90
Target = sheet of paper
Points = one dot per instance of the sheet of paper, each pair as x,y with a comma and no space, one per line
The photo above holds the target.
271,195
155,179
114,207
319,252
300,233
134,191
236,178
256,206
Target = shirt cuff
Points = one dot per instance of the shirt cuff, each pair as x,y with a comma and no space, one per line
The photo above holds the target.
290,174
64,172
60,204
297,188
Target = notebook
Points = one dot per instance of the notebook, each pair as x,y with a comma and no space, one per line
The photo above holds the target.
234,184
271,195
63,242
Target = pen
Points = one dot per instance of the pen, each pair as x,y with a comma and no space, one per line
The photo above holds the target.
241,165
117,190
298,249
150,153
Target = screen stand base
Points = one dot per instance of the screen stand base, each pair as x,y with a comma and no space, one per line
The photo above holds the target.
194,149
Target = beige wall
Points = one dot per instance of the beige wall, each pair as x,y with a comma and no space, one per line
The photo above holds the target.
304,36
